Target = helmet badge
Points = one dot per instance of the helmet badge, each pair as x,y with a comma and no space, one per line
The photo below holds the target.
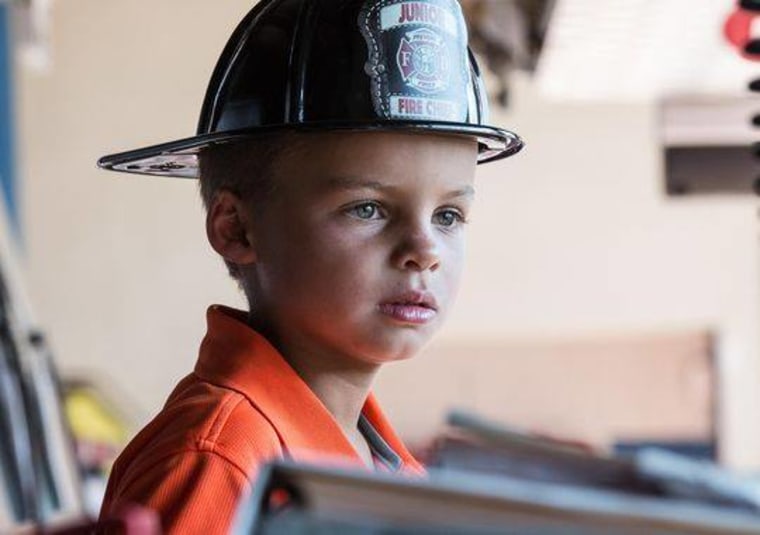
417,59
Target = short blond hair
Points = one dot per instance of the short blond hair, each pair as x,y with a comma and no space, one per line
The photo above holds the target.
245,168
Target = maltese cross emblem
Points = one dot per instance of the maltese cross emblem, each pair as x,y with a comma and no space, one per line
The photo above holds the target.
422,60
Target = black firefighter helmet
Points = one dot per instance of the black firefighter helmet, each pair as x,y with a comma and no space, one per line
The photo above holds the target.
337,65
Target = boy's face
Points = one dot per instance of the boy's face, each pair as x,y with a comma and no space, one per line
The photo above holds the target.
360,248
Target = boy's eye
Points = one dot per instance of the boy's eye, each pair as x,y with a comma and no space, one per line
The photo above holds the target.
448,218
366,210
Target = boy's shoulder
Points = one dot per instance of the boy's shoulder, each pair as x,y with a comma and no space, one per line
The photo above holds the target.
200,417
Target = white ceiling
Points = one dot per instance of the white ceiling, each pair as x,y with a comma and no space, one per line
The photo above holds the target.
641,49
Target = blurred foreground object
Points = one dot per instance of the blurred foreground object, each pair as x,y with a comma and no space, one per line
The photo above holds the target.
474,445
485,479
101,429
322,500
39,478
132,521
41,487
695,480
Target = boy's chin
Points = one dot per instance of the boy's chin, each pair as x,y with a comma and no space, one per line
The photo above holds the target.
399,346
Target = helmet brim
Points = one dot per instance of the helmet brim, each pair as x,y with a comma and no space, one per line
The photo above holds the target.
180,158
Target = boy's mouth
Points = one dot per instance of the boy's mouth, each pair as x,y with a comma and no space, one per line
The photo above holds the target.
412,307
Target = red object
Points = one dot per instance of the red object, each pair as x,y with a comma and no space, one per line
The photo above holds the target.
738,31
243,405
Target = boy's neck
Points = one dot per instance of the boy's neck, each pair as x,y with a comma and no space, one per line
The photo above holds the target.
340,382
342,392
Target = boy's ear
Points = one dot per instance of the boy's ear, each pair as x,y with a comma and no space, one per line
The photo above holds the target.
229,230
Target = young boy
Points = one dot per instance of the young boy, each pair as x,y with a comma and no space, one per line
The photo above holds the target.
336,154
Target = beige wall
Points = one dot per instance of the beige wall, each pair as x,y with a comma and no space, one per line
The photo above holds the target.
573,237
597,389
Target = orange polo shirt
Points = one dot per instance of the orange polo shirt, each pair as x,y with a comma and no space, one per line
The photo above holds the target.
242,406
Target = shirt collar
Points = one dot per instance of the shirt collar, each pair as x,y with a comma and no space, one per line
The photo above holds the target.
382,453
235,356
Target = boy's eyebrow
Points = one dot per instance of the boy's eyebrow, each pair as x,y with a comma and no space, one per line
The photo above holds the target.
467,191
344,182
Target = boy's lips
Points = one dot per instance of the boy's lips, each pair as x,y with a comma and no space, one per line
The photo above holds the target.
411,307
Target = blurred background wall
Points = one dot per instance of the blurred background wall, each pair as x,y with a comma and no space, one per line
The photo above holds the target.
574,238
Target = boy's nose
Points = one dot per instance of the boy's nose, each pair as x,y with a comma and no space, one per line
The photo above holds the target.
417,251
